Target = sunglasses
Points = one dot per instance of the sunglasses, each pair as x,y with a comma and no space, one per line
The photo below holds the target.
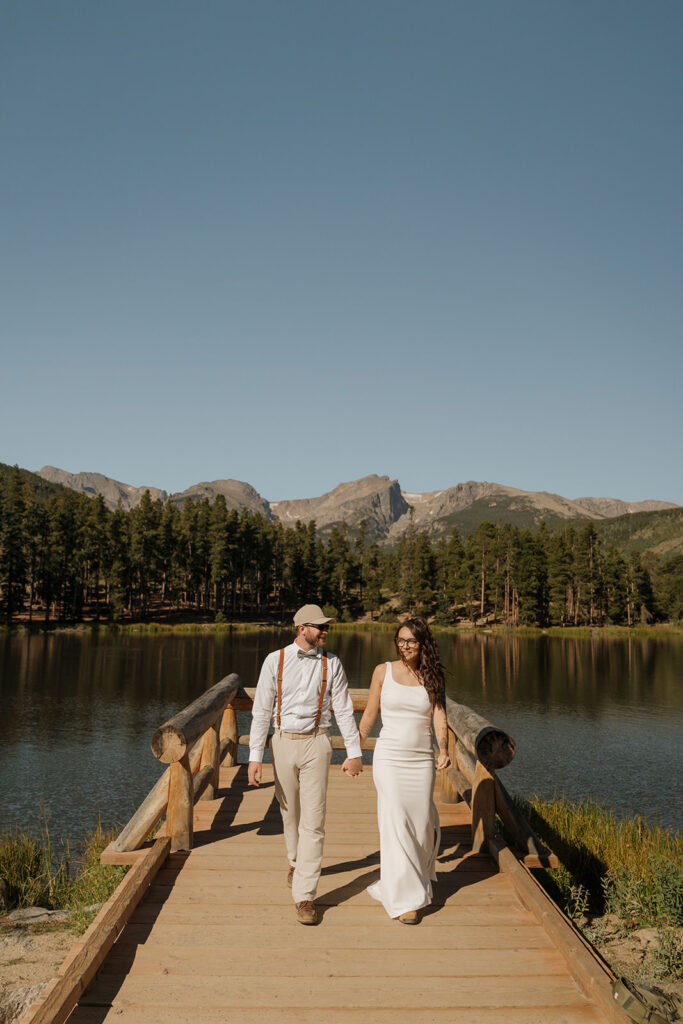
314,625
411,644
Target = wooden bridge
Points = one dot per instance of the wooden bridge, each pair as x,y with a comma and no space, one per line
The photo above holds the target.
202,929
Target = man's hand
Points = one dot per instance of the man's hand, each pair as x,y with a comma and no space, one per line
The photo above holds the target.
353,766
255,772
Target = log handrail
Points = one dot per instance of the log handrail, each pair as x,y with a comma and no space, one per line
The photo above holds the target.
477,750
173,739
194,743
493,747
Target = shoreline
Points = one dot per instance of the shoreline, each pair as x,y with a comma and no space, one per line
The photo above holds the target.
151,627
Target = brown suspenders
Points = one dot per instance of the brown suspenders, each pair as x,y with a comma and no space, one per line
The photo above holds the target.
322,690
280,667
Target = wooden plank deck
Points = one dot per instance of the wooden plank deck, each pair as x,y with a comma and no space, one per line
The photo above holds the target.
216,939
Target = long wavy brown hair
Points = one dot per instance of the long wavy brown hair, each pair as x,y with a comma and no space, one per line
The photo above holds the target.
429,665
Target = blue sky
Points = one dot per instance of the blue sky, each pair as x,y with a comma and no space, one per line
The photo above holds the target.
297,243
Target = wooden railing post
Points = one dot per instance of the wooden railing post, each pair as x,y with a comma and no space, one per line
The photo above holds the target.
483,808
211,758
229,733
180,805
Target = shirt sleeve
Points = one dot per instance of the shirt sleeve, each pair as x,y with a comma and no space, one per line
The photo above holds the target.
262,711
343,710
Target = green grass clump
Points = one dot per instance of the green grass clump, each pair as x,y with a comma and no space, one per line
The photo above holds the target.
666,960
93,883
37,877
653,897
627,866
33,877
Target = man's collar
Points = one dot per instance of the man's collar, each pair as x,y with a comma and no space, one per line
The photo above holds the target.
311,650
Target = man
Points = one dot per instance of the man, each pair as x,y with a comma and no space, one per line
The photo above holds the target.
296,688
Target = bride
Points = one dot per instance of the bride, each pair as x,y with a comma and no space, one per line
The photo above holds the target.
410,694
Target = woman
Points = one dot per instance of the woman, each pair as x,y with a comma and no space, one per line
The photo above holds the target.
411,695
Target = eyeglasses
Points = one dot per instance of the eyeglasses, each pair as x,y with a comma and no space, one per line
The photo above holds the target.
410,644
321,629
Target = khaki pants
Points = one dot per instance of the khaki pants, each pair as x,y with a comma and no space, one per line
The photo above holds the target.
302,768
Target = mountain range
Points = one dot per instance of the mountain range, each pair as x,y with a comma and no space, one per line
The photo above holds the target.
379,501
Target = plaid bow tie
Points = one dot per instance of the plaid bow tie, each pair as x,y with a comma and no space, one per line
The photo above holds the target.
307,654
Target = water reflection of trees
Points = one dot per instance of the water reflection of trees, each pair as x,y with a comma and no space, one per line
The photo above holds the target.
83,682
83,708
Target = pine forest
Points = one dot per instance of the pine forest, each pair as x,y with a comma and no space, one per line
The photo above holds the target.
65,557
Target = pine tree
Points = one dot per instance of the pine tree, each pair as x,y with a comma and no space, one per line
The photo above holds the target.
639,596
360,555
615,573
170,573
96,557
65,551
188,557
531,580
221,551
13,569
119,575
341,567
373,579
588,575
144,521
507,549
451,562
35,545
559,579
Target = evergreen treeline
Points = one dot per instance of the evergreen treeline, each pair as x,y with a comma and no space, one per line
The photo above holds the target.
66,556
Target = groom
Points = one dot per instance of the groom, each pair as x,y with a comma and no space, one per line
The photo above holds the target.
296,689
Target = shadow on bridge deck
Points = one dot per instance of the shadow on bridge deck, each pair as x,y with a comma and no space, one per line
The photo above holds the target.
216,939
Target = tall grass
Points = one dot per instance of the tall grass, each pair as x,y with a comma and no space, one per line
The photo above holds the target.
626,866
26,868
36,876
188,628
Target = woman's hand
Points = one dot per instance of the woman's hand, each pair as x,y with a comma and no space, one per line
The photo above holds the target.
372,706
443,760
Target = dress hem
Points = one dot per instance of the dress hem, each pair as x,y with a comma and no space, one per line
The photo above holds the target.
393,914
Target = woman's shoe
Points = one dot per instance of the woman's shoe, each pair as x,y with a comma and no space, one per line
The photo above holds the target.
410,917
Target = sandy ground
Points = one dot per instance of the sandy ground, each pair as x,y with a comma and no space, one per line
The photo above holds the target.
631,955
29,956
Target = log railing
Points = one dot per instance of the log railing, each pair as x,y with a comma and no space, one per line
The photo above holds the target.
194,744
477,750
198,739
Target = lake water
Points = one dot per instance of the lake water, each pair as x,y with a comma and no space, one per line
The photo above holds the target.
599,717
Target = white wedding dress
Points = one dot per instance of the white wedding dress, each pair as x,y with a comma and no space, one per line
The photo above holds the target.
403,770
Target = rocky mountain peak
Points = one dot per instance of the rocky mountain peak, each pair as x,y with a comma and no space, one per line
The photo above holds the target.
92,484
376,499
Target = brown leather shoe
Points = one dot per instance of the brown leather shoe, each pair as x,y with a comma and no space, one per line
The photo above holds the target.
307,912
290,876
410,917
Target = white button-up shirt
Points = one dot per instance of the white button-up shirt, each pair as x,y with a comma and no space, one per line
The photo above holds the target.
301,683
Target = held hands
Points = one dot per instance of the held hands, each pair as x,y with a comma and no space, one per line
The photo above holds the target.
255,772
353,766
443,760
